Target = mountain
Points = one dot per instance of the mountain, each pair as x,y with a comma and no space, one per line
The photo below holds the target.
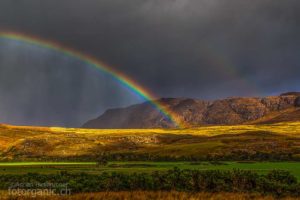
193,112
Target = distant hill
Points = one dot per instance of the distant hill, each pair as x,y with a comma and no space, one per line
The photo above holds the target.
195,112
290,93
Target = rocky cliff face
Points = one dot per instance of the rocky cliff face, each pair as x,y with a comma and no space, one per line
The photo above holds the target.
297,102
196,112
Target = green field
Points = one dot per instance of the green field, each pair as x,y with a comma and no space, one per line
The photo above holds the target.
130,167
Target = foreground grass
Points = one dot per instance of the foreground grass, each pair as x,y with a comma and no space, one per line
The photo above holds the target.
144,195
131,167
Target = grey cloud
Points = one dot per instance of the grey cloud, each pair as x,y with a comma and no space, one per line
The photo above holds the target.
195,48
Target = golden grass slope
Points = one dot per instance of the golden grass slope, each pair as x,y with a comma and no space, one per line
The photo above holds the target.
17,142
287,128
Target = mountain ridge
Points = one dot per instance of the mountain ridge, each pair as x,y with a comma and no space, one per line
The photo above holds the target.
195,112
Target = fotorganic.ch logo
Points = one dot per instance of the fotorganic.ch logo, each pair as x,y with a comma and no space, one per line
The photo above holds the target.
39,189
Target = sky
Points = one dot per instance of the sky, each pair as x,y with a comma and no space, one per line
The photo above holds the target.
205,49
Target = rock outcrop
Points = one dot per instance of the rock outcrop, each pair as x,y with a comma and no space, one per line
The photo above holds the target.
297,102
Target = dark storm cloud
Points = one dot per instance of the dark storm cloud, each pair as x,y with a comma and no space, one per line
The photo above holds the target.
43,87
195,48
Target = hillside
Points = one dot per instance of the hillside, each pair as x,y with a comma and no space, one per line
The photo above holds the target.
243,142
192,112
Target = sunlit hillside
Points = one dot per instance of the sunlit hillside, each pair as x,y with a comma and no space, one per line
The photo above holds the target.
39,143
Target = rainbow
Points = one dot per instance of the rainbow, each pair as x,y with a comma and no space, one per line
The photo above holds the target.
95,63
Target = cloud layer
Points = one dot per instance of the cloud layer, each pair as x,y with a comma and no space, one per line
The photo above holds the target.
194,48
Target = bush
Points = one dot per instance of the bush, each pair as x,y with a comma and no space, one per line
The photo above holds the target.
278,183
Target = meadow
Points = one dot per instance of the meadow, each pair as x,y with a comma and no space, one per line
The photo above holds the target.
258,147
263,142
147,167
114,156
